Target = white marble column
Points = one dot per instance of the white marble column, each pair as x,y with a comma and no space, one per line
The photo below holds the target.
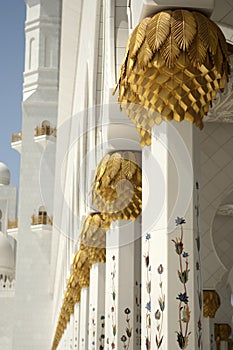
122,310
171,281
224,346
76,326
71,333
208,334
68,329
97,307
64,340
83,319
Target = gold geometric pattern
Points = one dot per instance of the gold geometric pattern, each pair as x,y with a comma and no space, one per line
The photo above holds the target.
117,187
175,62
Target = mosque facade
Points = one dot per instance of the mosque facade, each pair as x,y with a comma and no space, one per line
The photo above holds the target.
122,238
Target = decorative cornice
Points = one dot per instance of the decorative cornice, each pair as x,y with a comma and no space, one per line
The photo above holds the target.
50,22
225,209
211,303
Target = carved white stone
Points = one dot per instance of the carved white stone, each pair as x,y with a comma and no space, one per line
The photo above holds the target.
7,287
141,9
222,109
225,210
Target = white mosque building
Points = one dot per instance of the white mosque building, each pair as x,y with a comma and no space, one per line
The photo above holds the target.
123,234
8,250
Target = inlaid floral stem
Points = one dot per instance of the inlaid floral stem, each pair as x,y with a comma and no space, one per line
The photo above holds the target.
148,289
102,335
198,270
160,311
138,301
93,330
183,274
126,338
113,308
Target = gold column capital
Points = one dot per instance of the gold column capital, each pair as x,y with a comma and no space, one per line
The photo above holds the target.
222,331
117,187
175,63
211,303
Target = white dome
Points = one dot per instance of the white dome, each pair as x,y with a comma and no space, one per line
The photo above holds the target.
7,260
5,175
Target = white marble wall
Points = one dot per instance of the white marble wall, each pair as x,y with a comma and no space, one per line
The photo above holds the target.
8,195
33,301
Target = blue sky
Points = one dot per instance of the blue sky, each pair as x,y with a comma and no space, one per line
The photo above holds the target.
12,18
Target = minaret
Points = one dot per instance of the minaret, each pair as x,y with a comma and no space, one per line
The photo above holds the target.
33,302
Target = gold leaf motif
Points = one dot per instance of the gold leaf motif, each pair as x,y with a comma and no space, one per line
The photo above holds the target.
138,37
218,60
145,55
202,28
213,37
129,168
197,51
113,165
183,28
123,67
223,45
96,220
101,169
130,156
158,30
207,32
170,51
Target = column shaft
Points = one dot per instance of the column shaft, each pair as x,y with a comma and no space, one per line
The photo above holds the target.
97,307
83,320
171,281
122,310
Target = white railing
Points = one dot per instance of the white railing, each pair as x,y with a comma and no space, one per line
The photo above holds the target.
16,137
6,285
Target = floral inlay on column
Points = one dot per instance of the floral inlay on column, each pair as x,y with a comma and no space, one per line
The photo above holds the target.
75,334
148,289
126,338
198,270
183,273
113,308
93,328
160,310
138,302
102,335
